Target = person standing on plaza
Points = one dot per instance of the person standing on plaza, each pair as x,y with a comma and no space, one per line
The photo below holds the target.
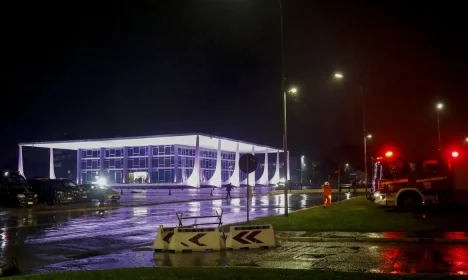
228,190
327,198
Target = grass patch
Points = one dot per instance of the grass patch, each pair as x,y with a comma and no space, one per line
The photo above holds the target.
216,273
360,215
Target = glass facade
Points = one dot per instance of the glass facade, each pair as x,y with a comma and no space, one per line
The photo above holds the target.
227,165
162,164
158,164
90,165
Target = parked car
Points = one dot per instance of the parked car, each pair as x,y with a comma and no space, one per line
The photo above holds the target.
101,193
51,191
81,194
15,190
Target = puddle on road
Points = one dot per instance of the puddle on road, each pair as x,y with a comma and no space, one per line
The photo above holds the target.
313,256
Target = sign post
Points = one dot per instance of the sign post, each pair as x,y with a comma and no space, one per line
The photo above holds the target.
248,164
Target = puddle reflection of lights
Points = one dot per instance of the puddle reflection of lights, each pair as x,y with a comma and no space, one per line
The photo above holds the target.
265,201
194,206
235,202
303,200
140,211
4,238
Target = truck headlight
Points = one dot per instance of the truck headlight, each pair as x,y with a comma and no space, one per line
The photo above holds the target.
376,194
20,196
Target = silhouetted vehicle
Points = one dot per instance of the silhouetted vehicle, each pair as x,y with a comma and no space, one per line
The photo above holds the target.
80,193
101,193
51,191
15,190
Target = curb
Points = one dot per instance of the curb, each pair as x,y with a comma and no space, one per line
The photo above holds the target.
375,239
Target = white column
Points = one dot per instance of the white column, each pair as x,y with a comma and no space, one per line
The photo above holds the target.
252,175
20,161
215,180
276,177
51,165
78,167
150,164
176,163
235,180
194,179
264,179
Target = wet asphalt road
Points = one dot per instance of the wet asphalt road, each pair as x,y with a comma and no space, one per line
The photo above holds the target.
337,256
41,241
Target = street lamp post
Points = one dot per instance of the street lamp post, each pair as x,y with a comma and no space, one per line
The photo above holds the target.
340,76
369,136
302,170
285,124
440,106
285,146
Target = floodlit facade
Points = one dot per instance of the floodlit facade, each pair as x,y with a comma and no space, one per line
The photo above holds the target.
180,160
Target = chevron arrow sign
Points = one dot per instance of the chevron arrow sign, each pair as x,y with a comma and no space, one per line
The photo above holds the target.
247,237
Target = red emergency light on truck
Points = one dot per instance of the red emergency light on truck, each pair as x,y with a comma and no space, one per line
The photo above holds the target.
413,184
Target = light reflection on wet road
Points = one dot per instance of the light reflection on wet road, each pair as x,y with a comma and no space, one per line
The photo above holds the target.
37,240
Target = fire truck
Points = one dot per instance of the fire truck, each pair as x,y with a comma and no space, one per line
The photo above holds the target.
411,185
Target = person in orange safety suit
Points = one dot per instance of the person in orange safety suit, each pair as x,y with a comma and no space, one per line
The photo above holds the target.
327,198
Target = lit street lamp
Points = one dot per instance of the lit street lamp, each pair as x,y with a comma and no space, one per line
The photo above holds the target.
440,107
338,76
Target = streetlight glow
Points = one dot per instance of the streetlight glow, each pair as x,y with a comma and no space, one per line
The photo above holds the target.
466,140
440,106
293,90
338,75
369,136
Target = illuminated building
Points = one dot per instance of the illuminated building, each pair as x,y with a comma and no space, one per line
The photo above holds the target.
170,160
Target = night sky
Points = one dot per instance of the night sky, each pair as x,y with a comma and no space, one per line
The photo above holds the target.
95,70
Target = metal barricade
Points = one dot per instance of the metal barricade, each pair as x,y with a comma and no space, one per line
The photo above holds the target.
218,215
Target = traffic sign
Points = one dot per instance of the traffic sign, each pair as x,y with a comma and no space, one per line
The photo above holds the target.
248,163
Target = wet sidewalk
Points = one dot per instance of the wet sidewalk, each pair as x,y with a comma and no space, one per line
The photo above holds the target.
430,237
